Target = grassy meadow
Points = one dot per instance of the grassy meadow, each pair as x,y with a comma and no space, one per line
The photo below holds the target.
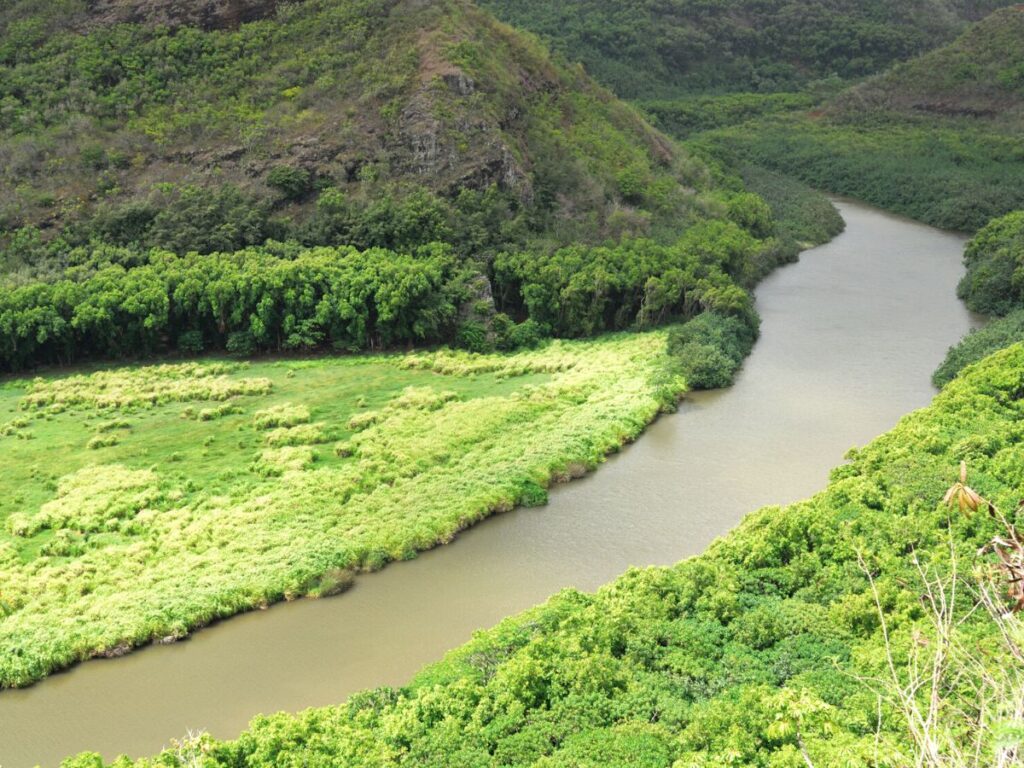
820,633
141,502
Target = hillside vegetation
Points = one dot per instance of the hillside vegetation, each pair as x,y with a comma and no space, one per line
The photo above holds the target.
177,178
192,126
657,49
769,650
139,503
936,138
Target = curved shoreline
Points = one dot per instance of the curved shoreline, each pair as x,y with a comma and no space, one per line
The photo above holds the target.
798,405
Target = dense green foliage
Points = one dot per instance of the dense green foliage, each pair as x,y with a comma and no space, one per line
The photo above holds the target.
710,349
937,138
981,74
953,174
994,283
979,344
246,301
431,122
653,47
139,503
580,290
683,117
764,647
118,303
803,217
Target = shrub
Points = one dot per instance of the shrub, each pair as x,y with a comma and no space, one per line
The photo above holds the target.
709,350
474,336
705,366
102,441
303,434
284,415
190,342
293,183
979,344
994,283
241,343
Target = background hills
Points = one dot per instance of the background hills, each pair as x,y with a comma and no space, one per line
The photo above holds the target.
662,48
936,138
216,125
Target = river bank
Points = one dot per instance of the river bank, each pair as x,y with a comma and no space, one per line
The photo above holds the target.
843,355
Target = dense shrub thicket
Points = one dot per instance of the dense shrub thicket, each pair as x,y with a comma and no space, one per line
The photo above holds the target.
936,138
979,344
951,173
710,349
764,651
994,283
803,217
682,117
249,300
116,302
580,290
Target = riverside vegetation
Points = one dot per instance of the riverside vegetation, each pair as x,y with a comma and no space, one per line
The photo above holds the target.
792,641
179,178
139,503
481,192
572,218
993,285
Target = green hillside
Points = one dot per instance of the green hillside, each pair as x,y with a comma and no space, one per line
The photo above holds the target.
937,138
771,650
168,171
657,49
330,122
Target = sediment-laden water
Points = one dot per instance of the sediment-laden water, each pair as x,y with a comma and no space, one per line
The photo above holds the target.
850,337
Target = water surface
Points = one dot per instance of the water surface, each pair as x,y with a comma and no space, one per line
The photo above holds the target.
850,337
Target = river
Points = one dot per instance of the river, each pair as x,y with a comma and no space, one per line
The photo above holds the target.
850,337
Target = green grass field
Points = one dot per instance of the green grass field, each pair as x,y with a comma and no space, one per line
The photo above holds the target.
138,503
767,651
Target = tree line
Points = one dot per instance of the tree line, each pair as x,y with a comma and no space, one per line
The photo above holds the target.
278,297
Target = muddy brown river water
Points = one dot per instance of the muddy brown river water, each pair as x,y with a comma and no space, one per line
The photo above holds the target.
850,337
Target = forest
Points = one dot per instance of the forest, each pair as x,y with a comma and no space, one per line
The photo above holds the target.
935,138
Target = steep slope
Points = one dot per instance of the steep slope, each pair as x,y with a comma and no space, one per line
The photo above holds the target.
214,125
937,138
979,75
993,285
655,48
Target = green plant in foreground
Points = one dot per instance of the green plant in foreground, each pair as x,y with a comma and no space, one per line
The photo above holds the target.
963,706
